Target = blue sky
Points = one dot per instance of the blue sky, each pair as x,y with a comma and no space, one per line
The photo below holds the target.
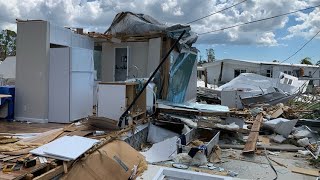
266,53
274,39
280,52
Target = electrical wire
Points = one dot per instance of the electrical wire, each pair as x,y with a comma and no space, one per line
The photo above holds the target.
266,154
263,19
216,12
296,51
301,47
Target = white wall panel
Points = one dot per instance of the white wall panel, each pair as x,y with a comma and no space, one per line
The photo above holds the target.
60,35
154,54
32,67
81,41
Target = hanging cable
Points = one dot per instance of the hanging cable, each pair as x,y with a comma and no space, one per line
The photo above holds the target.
301,47
216,12
259,20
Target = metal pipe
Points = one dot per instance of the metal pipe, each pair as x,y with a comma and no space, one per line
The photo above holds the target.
150,78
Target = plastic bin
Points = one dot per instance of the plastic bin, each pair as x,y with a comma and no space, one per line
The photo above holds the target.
10,90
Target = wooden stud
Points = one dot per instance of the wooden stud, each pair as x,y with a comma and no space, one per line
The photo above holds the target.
310,172
65,167
51,174
251,143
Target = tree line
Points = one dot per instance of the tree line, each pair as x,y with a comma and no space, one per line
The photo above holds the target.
7,44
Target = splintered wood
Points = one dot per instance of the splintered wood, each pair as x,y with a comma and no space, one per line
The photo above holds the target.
250,145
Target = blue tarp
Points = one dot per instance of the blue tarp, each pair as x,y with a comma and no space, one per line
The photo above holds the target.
180,74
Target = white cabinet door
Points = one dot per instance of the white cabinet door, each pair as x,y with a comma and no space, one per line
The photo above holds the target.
59,85
81,85
111,101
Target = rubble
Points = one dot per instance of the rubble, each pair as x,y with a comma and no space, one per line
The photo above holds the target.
162,151
281,126
278,138
251,119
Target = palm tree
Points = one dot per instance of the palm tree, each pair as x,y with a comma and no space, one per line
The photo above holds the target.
306,60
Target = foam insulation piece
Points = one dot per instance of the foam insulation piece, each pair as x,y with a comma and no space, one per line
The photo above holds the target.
65,148
281,126
162,151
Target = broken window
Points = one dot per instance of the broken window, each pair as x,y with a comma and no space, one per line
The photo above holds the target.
290,81
310,74
289,72
285,81
285,72
237,72
269,73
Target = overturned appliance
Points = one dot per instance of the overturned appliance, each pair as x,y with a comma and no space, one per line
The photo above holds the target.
190,142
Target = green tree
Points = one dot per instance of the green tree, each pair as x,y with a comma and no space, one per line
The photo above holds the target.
306,60
318,63
199,59
7,44
210,55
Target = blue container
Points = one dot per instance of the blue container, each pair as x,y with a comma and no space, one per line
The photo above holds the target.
11,91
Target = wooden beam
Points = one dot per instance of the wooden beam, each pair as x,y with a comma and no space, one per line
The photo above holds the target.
310,172
251,143
165,69
51,174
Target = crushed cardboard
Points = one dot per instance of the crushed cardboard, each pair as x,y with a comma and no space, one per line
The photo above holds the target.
115,159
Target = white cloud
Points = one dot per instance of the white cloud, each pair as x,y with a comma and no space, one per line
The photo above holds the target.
267,39
308,25
96,15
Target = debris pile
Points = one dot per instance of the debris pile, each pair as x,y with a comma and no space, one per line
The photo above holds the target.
267,122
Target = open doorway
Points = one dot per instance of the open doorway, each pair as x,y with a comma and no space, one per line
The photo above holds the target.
121,64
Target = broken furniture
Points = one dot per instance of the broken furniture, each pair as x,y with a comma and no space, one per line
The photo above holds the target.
115,97
207,137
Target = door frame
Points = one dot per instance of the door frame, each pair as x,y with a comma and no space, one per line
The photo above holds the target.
115,61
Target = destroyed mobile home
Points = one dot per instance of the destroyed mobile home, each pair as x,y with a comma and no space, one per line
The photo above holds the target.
145,124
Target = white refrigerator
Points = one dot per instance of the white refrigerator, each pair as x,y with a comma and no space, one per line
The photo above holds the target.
71,83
